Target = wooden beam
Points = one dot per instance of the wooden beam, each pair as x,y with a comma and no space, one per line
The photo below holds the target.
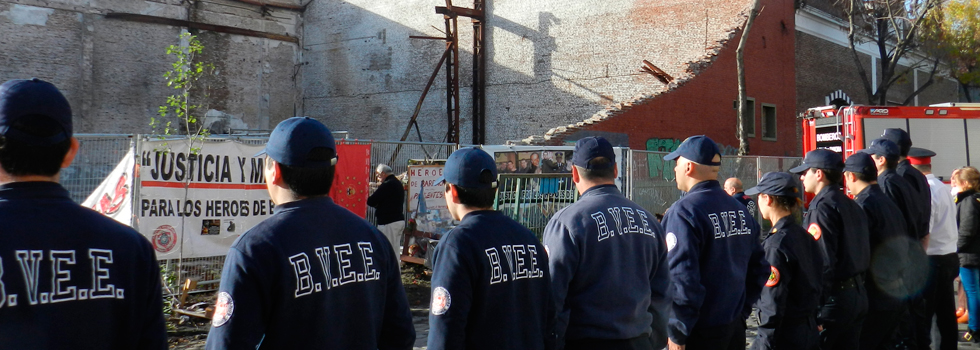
275,4
198,25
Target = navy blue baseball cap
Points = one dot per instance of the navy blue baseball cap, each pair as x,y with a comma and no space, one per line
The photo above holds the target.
900,137
884,148
776,184
820,159
699,149
301,142
465,168
34,105
591,148
861,163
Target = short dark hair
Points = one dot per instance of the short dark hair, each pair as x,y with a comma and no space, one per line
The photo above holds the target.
310,182
606,171
20,158
833,176
477,197
865,177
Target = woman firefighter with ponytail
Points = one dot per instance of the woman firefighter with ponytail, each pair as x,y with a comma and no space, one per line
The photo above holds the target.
789,303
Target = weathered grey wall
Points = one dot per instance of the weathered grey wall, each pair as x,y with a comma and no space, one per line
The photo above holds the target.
111,70
550,62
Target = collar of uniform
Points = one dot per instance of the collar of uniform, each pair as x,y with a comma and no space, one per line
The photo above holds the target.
601,189
473,215
705,185
867,191
33,189
824,192
319,200
930,176
784,222
390,178
738,194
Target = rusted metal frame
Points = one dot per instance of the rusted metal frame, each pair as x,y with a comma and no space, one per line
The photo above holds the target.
452,77
418,106
450,10
479,76
198,25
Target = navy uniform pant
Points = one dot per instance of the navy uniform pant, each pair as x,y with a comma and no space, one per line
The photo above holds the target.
800,334
727,337
639,343
843,315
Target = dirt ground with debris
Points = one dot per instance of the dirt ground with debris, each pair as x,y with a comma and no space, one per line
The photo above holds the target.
190,333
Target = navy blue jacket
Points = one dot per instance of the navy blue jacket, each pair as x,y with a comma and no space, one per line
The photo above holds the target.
792,293
388,201
717,265
748,202
889,249
311,276
841,228
491,288
608,269
71,278
902,193
922,195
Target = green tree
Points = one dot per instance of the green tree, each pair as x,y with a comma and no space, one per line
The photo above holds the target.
954,30
186,71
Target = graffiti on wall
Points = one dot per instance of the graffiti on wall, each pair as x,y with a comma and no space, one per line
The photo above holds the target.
659,167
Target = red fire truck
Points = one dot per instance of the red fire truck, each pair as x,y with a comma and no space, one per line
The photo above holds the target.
952,130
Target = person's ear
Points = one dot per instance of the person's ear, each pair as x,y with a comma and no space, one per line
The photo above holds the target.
690,170
72,152
454,194
576,177
273,172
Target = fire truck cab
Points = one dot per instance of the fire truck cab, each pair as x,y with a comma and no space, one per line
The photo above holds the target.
952,130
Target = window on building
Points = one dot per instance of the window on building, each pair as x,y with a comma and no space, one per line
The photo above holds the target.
750,113
768,122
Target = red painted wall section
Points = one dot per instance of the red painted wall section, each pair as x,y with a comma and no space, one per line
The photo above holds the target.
703,105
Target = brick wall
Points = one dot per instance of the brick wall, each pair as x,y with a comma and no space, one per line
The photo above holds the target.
111,70
550,62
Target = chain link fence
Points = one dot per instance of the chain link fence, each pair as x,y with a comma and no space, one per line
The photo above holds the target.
531,199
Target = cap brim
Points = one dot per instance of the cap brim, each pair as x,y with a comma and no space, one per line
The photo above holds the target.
440,180
752,191
261,153
800,169
672,155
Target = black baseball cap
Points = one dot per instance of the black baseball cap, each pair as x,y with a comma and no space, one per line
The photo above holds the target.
591,148
699,149
820,159
465,168
900,137
776,184
884,148
861,163
300,142
35,112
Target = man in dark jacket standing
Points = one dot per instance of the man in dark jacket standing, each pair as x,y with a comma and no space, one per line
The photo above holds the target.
388,201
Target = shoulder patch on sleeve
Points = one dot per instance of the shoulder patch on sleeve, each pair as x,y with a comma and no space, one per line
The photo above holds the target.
671,241
440,301
815,231
223,309
773,277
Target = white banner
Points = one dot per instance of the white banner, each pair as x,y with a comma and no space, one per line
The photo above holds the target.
113,197
199,203
433,216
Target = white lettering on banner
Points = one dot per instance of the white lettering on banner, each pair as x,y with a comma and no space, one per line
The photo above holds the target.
522,261
61,288
626,219
341,264
727,226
